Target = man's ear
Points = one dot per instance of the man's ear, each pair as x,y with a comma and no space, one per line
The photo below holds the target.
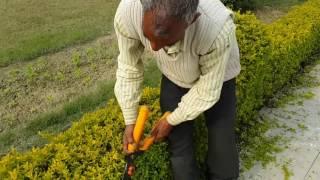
195,17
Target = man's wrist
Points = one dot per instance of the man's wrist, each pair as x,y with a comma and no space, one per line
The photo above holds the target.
130,116
175,118
130,125
169,120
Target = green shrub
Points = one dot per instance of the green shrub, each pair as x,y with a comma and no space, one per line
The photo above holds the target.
91,148
242,5
254,47
272,54
294,38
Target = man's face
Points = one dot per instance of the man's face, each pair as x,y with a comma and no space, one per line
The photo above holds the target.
162,31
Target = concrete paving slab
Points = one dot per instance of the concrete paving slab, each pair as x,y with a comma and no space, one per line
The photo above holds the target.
296,159
314,172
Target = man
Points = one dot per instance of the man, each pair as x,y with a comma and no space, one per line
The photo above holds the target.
196,50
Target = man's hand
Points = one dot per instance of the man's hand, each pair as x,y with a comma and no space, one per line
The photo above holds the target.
161,130
127,137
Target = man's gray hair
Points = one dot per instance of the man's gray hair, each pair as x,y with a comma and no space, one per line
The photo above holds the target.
183,9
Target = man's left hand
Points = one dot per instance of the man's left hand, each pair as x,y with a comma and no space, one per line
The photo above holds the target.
161,130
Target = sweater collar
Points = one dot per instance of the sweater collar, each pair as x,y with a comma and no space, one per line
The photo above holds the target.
175,48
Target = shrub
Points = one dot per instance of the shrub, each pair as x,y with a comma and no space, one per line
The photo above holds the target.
242,5
91,148
272,54
294,38
254,47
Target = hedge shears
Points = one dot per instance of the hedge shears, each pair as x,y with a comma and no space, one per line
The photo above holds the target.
138,146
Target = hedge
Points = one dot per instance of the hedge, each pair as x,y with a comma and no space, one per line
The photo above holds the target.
270,56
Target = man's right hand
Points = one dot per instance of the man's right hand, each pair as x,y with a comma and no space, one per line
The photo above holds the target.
127,138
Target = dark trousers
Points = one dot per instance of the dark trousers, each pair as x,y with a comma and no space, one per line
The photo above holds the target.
222,158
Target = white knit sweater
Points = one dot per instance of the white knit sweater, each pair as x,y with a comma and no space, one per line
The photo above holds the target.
202,61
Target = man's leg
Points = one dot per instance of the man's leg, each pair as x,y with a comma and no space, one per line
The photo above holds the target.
223,158
180,139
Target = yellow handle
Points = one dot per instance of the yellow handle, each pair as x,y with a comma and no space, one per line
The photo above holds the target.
141,120
139,127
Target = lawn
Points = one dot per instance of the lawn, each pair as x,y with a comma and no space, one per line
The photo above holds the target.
278,4
31,28
269,11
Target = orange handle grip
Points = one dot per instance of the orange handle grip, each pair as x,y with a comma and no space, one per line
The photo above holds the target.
149,140
132,147
147,143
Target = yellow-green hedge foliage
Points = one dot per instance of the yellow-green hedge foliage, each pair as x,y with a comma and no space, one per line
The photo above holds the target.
91,148
294,38
254,47
272,54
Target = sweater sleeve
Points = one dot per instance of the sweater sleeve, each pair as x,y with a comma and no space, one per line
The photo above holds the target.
129,74
206,92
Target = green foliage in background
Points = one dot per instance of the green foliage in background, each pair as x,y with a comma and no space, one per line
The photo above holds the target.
270,56
242,5
294,39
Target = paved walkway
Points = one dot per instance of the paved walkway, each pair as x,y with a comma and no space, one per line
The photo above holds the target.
301,159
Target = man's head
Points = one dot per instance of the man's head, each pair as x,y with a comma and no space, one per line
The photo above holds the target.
165,21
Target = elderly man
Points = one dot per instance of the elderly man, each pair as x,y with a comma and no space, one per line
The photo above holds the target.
196,50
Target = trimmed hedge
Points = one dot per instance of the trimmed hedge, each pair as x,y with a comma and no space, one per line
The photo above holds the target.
270,56
255,48
91,148
294,39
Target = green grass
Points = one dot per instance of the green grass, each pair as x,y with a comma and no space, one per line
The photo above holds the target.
32,28
25,136
279,4
269,11
152,75
286,172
